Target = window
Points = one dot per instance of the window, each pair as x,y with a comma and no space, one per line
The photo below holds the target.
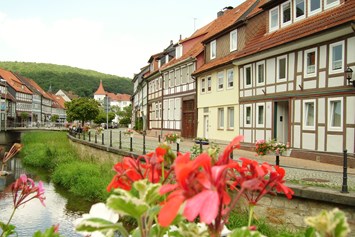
247,75
281,67
314,6
209,83
336,57
260,115
220,118
331,3
309,114
230,78
299,9
230,114
220,78
310,66
335,114
286,13
248,116
203,85
274,19
233,40
178,51
167,58
213,49
260,72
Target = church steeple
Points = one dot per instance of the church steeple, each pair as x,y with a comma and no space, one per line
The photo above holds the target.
100,90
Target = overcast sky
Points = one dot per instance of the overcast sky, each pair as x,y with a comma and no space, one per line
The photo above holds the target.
110,36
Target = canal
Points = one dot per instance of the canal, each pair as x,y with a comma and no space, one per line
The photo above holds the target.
61,207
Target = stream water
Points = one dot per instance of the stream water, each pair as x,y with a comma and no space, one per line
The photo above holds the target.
61,207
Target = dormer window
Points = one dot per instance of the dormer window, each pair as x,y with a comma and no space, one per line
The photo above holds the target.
331,3
314,6
286,13
178,52
274,19
299,9
213,49
233,40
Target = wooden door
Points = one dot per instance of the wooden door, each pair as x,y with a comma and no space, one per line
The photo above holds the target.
188,119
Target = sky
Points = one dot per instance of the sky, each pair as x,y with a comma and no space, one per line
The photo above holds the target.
111,36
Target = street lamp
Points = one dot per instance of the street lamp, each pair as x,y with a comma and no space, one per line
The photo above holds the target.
107,110
5,83
349,75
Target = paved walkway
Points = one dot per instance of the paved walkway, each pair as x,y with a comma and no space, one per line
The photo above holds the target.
297,170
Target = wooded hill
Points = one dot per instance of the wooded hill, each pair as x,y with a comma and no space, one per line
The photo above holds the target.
82,82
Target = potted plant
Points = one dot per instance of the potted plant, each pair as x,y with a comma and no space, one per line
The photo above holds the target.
263,147
203,141
173,138
128,132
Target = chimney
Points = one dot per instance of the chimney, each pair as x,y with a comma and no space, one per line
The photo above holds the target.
220,13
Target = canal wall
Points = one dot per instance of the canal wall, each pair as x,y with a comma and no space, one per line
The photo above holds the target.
278,210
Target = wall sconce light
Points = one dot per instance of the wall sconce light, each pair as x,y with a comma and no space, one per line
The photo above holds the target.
349,76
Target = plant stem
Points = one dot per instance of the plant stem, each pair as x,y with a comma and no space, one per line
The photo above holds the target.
251,212
12,214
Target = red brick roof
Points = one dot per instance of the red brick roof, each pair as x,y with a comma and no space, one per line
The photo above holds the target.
14,82
304,28
38,88
119,97
100,90
228,18
58,101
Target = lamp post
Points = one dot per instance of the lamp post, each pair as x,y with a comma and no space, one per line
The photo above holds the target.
107,110
5,83
349,76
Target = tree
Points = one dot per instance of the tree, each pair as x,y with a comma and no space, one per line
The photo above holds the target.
54,118
82,109
101,117
125,115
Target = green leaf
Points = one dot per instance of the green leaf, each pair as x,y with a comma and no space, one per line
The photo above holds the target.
50,232
7,229
101,225
245,232
122,202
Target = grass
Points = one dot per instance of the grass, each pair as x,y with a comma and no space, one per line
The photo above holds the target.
80,175
239,219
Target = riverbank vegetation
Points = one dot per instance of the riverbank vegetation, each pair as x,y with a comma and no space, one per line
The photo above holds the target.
82,176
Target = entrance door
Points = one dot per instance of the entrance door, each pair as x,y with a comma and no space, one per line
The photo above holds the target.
188,119
205,126
281,121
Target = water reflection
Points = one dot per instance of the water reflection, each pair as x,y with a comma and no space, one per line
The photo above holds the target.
61,207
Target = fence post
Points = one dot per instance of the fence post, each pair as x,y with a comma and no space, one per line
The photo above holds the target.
95,138
159,138
83,136
103,139
277,159
201,150
89,136
110,138
177,148
144,144
120,141
79,136
344,187
131,143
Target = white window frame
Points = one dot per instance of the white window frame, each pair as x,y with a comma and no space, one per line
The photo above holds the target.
220,81
310,13
295,10
305,115
245,76
278,68
333,4
331,114
233,40
230,78
257,72
305,69
209,83
230,111
245,116
203,85
340,70
213,49
275,9
282,14
220,118
167,58
258,114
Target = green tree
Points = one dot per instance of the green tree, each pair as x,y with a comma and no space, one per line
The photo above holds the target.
54,118
101,117
125,115
82,109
